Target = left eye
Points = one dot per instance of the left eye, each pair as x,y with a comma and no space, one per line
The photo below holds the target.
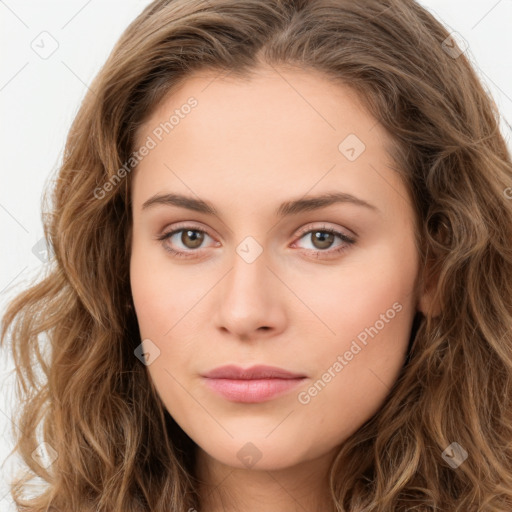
322,239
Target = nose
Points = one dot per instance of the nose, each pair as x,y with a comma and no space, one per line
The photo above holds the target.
250,300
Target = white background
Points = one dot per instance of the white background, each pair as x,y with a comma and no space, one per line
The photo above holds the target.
40,97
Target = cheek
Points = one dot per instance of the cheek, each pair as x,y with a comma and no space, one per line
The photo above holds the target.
355,377
161,294
168,302
368,352
370,307
350,297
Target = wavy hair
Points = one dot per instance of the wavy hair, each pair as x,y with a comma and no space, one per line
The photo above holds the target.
94,403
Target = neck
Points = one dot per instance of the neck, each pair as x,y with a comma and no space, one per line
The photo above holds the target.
304,486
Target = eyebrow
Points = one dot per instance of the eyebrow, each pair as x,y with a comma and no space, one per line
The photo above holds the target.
293,207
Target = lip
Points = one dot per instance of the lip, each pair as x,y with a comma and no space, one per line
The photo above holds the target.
252,385
260,371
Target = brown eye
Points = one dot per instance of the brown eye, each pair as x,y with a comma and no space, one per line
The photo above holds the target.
192,238
184,242
322,239
322,242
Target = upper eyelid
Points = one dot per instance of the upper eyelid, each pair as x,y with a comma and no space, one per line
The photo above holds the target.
184,227
308,227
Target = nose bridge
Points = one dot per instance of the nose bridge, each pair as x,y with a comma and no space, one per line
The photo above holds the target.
247,300
248,277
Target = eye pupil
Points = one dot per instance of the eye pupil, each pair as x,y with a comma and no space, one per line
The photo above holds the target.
196,236
324,238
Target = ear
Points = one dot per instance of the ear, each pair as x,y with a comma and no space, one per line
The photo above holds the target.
428,304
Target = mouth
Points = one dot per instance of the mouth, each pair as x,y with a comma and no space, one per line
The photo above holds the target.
252,385
252,390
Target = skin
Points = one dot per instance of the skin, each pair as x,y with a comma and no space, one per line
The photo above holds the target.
247,147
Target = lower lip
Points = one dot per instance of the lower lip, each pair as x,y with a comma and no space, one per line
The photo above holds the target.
252,390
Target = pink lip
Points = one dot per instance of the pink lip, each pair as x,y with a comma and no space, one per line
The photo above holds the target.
251,385
232,371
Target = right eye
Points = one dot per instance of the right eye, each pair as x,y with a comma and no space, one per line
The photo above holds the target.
191,239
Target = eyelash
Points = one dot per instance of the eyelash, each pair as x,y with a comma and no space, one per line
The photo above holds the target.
190,253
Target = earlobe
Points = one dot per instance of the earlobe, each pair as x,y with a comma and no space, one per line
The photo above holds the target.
428,305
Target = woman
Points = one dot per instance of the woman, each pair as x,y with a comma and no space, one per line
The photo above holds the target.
283,271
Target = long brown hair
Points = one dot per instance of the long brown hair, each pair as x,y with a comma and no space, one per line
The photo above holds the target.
117,447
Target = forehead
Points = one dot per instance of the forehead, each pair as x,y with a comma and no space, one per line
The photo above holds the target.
267,100
279,132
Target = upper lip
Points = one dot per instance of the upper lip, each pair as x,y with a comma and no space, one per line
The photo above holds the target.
254,372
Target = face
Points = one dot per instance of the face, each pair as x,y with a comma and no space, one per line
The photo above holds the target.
234,262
